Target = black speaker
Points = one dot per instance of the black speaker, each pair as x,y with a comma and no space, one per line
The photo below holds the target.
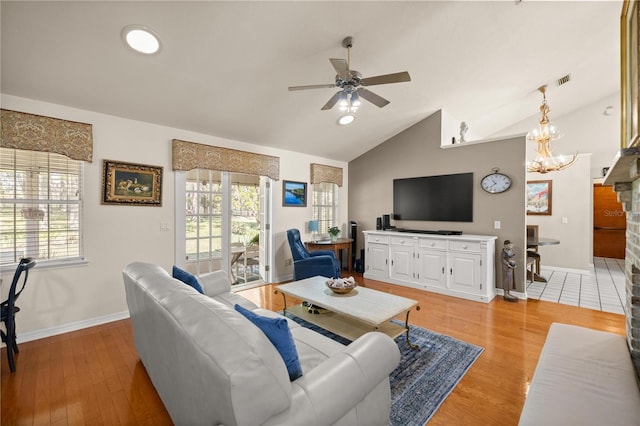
386,221
378,223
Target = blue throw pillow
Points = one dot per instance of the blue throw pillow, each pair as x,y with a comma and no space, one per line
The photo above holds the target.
277,330
186,278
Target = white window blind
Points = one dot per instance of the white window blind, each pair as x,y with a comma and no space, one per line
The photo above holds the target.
40,206
325,205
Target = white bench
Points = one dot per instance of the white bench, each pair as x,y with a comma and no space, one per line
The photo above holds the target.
583,377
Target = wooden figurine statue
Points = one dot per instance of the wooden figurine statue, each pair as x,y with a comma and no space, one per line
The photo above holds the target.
508,267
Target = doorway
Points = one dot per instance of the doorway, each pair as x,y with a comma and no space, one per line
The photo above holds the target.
609,223
223,225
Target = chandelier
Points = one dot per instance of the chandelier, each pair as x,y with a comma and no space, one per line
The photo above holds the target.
545,133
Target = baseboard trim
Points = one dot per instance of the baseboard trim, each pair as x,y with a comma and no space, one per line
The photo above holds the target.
567,270
74,326
519,295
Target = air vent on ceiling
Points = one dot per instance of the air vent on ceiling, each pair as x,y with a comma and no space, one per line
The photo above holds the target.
563,80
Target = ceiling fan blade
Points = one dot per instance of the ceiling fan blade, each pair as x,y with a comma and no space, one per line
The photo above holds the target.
377,100
334,100
387,78
312,86
341,68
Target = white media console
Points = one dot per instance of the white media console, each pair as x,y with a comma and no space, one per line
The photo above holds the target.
455,265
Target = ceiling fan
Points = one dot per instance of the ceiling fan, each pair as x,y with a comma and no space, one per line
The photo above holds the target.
352,84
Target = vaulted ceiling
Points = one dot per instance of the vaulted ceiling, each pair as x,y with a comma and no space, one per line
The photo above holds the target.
224,67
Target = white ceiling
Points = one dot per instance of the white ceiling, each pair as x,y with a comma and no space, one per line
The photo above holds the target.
224,67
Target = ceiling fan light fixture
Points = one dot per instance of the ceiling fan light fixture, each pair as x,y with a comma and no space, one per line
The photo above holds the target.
346,119
355,99
343,101
141,39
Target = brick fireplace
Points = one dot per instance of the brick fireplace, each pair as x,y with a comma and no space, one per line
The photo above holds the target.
625,177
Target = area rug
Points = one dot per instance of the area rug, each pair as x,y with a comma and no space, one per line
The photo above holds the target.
426,376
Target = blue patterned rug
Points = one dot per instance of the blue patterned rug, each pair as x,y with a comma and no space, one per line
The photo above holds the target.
426,376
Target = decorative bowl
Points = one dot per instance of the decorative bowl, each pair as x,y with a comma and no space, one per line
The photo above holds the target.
341,285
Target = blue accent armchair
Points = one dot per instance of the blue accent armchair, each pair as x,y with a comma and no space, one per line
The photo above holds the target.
309,264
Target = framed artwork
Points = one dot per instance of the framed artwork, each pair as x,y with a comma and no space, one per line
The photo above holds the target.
539,197
133,184
630,74
294,194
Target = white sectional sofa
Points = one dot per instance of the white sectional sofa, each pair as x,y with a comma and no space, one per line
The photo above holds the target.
212,366
583,377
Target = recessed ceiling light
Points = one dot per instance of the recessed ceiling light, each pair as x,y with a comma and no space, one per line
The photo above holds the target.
141,39
346,119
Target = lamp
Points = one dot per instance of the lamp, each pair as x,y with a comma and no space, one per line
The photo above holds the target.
313,226
545,133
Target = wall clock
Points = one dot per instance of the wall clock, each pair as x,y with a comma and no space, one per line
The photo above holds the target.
495,183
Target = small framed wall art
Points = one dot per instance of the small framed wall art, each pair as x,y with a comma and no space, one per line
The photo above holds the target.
539,197
133,184
294,194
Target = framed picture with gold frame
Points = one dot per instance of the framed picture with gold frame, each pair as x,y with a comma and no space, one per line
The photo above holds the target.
629,74
539,197
132,184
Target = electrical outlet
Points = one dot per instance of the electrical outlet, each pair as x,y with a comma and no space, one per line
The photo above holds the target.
288,262
164,226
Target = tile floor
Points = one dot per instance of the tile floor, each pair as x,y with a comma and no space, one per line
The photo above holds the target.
602,289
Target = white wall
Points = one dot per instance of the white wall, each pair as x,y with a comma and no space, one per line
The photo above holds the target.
117,235
571,220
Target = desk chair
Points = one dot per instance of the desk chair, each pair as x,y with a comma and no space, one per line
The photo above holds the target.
309,264
532,251
8,309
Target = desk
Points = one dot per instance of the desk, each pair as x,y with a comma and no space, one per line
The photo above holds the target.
336,246
540,241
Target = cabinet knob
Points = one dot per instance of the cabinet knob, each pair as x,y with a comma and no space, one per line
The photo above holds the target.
432,244
464,246
377,239
401,241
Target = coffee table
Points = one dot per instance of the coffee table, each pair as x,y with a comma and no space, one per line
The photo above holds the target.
349,315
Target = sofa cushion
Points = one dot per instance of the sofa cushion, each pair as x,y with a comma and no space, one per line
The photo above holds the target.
277,330
186,278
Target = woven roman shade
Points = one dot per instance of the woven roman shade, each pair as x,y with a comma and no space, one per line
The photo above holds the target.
21,130
329,174
191,155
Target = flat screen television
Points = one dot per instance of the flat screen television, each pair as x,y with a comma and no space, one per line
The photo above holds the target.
444,198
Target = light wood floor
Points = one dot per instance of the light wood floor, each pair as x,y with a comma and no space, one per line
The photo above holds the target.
94,376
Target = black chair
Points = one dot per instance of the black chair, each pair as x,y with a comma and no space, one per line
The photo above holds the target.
8,309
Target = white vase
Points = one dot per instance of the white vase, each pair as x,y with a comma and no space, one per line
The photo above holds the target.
333,237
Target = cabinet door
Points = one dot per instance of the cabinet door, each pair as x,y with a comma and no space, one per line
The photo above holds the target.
465,272
401,263
431,268
376,259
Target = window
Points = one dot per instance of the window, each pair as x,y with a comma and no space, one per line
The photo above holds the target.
325,205
40,206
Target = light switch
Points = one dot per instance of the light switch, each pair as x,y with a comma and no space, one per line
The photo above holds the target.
496,224
565,220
